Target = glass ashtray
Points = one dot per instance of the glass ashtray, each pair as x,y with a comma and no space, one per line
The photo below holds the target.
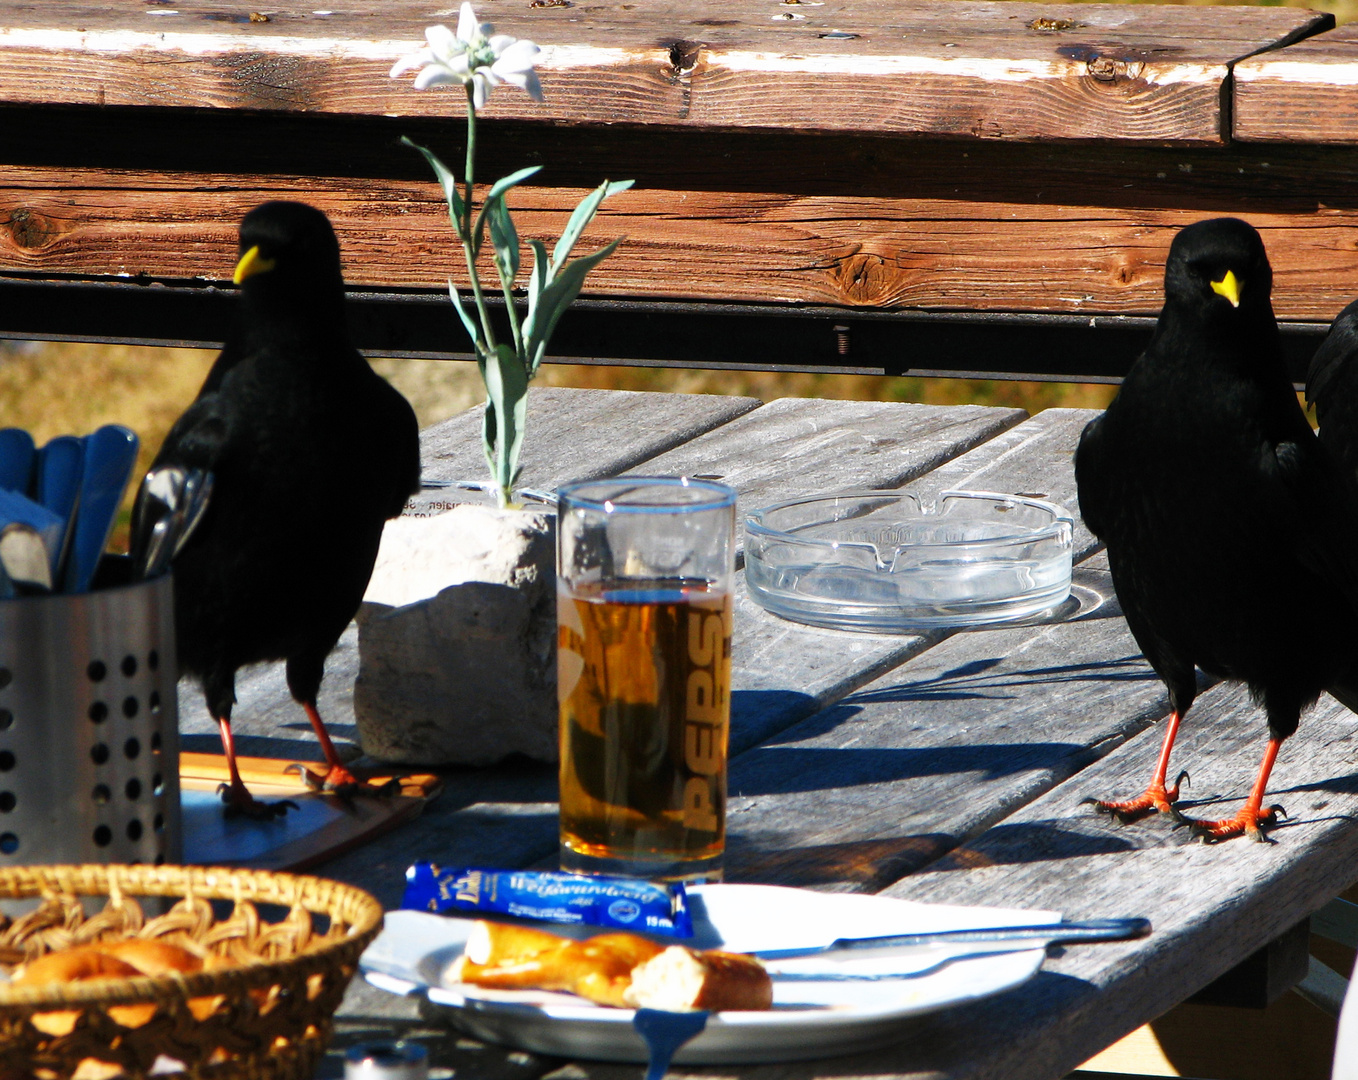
888,562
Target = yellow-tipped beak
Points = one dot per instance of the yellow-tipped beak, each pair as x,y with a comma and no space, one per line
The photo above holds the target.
252,262
1229,287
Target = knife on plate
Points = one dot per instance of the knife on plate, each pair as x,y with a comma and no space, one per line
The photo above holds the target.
1046,934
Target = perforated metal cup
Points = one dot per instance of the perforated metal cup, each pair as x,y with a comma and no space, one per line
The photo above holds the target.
89,727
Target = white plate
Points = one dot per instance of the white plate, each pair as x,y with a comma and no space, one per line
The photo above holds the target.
815,1015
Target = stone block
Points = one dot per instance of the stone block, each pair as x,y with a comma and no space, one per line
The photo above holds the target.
457,640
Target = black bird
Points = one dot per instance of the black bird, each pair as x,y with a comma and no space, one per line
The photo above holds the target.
1231,531
310,453
1332,387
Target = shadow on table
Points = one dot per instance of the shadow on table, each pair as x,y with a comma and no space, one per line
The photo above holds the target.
782,770
874,864
979,679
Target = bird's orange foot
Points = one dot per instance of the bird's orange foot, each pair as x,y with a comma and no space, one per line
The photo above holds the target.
1157,799
240,803
1249,822
340,781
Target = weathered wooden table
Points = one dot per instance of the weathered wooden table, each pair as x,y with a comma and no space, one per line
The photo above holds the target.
940,766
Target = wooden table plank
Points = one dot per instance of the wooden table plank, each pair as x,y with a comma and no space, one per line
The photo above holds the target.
1088,71
1216,905
574,435
804,446
941,704
1306,93
939,750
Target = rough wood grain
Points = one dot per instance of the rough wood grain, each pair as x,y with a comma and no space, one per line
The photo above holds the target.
866,224
1307,93
938,750
573,435
802,446
1002,71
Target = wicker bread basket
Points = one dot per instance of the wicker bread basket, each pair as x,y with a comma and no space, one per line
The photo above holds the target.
267,1016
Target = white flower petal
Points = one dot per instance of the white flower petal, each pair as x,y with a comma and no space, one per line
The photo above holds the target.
442,40
466,23
520,56
437,75
412,62
525,80
499,43
480,90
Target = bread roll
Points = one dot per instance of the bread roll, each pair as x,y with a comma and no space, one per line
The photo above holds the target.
522,958
492,944
121,959
153,957
69,965
621,970
681,980
75,965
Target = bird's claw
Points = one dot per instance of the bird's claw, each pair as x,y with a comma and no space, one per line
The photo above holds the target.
1246,823
340,782
1157,799
240,803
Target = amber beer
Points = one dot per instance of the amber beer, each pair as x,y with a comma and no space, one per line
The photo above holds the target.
644,677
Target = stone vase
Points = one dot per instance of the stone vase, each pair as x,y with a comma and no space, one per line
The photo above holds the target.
457,639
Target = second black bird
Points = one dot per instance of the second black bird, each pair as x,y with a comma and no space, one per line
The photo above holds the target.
1231,532
310,452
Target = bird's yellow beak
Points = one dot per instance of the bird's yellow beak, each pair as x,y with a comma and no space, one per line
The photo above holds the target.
252,262
1229,287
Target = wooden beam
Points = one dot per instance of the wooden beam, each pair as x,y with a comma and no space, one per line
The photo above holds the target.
934,225
993,70
1305,93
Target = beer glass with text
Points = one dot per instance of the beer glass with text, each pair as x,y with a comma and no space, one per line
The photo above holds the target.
645,569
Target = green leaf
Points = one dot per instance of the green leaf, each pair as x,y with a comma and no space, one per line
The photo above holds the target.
537,281
446,179
581,218
462,313
505,238
507,399
513,179
555,299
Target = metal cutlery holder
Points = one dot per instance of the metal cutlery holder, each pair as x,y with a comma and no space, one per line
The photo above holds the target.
89,727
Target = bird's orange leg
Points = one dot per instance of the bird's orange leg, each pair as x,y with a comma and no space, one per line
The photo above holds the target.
337,778
1157,796
1253,817
239,801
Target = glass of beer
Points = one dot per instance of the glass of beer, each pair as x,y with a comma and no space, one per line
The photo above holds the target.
645,569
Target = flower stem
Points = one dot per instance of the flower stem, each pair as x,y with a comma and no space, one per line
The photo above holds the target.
469,245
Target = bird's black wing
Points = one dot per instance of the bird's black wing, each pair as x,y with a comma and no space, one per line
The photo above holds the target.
1090,482
1323,504
1332,387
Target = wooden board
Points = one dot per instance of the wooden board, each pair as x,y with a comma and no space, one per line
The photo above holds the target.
1306,93
779,219
1002,71
320,827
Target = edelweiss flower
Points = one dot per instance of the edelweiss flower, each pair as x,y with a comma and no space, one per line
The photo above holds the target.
475,55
